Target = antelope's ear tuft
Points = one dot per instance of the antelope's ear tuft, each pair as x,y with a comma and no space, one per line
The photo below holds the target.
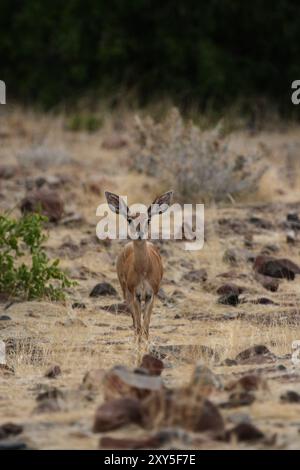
161,203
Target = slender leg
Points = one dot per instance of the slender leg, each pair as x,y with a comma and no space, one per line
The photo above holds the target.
136,313
147,315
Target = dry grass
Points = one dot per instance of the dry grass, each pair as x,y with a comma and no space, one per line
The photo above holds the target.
82,340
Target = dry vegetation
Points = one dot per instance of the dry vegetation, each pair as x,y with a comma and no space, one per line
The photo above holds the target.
79,338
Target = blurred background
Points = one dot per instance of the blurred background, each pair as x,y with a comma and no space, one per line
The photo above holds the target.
208,55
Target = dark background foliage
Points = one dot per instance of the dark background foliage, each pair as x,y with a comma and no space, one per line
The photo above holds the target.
208,52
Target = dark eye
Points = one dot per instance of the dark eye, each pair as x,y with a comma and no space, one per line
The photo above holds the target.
129,220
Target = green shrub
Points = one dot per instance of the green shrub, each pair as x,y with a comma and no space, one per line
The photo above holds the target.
25,270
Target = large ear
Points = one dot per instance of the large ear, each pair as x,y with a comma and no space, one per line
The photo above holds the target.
116,204
160,204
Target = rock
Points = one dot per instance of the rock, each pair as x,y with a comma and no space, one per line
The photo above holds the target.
53,372
103,288
244,432
229,299
197,275
257,354
13,445
204,381
291,237
10,429
51,400
117,413
198,414
120,381
230,288
290,397
93,380
4,318
80,305
152,364
267,282
247,383
46,201
238,399
278,268
264,301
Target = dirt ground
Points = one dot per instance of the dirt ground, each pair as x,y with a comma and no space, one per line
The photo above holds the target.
188,313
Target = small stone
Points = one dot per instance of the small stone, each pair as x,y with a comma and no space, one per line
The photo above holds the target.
80,305
244,432
53,372
103,288
10,429
4,318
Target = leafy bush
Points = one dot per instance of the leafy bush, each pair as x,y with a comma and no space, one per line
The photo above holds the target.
25,270
195,163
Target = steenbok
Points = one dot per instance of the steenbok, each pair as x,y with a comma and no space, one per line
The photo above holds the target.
139,265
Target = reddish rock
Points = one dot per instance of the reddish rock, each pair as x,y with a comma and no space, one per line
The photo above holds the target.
116,413
45,201
278,268
267,282
152,364
121,381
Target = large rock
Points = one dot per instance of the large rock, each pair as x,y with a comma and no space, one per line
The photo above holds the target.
117,413
278,268
45,201
120,382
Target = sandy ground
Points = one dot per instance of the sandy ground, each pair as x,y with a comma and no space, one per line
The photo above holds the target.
80,340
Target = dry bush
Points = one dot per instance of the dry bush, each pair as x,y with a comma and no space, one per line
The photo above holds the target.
194,162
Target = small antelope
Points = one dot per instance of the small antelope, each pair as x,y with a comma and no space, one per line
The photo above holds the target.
139,265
